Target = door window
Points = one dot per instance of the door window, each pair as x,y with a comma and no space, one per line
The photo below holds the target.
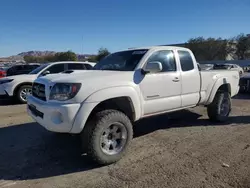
56,68
166,58
186,60
88,66
76,66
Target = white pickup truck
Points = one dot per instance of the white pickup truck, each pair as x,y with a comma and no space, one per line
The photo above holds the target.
101,104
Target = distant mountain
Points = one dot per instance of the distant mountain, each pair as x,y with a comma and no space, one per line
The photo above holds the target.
37,53
19,57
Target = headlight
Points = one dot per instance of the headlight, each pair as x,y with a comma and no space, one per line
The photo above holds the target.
64,91
6,81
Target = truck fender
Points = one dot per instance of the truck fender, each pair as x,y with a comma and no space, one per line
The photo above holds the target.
215,87
101,95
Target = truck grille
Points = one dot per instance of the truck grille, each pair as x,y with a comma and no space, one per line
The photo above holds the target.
38,91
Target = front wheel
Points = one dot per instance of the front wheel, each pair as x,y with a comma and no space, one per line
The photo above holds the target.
23,93
220,108
106,136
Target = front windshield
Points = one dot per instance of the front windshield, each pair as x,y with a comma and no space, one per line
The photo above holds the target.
121,61
38,69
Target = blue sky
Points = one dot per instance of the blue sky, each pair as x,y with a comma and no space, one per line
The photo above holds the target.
85,26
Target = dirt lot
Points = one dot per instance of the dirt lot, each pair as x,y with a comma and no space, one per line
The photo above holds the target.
180,150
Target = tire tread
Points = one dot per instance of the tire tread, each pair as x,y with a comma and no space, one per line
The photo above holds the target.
213,108
91,132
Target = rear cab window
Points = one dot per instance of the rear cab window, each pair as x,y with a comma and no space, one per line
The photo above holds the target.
186,60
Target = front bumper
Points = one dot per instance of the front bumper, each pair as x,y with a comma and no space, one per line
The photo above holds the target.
52,116
7,89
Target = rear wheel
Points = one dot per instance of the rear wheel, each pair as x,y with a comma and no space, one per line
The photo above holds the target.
106,137
23,92
220,108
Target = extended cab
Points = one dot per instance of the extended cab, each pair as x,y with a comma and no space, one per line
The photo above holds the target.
19,86
126,86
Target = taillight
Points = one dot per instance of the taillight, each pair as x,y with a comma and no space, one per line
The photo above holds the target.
2,74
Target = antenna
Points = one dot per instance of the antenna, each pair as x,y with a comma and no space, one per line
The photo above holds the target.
82,45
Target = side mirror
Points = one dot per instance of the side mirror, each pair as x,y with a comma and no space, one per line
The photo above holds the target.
152,67
45,73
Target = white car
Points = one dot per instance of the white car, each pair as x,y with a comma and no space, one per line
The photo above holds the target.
20,85
102,104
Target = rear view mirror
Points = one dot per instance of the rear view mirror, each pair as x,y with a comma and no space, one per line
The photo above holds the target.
153,67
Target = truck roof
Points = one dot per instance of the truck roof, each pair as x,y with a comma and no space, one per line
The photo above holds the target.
159,47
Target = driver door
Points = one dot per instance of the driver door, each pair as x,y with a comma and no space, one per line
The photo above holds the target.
162,91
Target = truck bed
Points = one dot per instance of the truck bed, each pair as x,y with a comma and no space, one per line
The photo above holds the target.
208,77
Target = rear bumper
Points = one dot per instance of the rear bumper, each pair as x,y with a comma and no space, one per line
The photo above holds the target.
53,117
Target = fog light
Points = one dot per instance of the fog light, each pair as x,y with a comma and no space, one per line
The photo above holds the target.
56,118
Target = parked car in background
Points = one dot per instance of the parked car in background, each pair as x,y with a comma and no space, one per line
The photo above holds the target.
206,66
102,104
19,86
245,83
21,69
229,67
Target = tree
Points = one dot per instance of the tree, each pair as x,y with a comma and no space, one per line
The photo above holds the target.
34,59
60,56
242,46
50,58
102,52
66,56
92,58
28,59
210,48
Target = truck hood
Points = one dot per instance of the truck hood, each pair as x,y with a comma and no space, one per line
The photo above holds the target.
90,77
91,81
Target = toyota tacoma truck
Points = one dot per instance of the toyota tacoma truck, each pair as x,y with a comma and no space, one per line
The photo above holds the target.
102,104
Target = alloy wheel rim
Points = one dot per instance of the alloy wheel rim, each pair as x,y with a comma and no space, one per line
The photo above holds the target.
225,107
113,138
24,93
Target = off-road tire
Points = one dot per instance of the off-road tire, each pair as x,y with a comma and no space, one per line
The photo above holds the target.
91,135
18,94
213,109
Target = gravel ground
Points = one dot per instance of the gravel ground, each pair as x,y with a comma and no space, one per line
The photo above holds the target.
179,150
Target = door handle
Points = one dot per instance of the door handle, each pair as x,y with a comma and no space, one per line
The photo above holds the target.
176,79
